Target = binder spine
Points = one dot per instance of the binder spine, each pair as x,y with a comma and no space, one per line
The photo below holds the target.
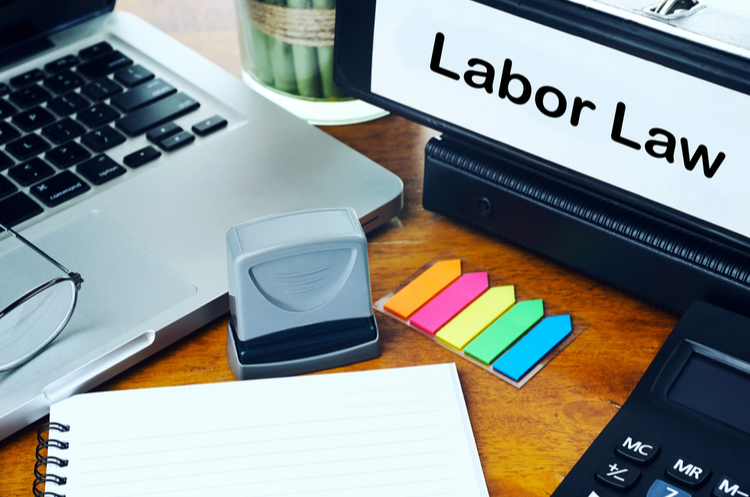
641,254
44,461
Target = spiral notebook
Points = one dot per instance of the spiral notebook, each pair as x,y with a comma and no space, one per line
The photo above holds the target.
401,432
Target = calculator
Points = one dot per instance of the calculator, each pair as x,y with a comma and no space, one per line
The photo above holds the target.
685,429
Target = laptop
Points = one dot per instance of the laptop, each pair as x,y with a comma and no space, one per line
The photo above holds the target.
127,157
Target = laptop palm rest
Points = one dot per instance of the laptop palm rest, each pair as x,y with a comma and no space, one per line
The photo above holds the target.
124,286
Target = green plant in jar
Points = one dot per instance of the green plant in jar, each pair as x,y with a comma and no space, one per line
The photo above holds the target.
288,45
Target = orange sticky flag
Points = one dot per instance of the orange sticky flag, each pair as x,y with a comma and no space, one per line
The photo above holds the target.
428,284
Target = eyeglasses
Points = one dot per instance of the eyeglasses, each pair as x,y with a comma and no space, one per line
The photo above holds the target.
35,319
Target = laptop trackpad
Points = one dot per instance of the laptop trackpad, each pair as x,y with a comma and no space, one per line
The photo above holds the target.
124,285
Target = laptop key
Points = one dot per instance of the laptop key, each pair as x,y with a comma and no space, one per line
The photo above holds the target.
95,50
61,64
67,155
104,64
31,171
157,113
100,169
141,157
4,89
7,132
30,96
132,76
63,130
142,95
101,89
164,131
34,118
97,115
6,187
5,161
176,141
17,209
60,188
102,139
27,78
6,109
63,81
27,146
67,104
208,126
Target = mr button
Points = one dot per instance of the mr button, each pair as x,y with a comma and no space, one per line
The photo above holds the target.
637,450
688,472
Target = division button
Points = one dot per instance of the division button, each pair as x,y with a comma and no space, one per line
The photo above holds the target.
618,475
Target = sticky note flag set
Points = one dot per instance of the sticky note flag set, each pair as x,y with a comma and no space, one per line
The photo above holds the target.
496,325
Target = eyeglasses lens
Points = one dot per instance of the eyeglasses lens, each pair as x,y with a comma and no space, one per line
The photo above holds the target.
28,328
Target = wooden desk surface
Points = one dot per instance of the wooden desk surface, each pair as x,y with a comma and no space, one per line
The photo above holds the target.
528,439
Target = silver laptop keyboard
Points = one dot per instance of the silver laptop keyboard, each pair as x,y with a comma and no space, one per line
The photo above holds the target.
58,121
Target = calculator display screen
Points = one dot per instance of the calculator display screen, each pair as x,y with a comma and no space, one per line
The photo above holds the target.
714,389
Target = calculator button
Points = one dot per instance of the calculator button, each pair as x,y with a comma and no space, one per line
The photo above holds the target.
594,493
688,472
618,475
637,450
663,489
729,487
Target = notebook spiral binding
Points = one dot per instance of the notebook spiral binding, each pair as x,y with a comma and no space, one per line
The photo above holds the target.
645,256
45,461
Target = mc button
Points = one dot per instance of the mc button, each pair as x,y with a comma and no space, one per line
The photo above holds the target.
637,450
688,472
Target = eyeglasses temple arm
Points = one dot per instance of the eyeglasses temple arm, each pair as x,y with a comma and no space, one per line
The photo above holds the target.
74,276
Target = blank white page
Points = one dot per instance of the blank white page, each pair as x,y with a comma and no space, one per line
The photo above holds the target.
401,432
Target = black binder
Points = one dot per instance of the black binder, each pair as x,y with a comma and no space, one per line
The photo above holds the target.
639,245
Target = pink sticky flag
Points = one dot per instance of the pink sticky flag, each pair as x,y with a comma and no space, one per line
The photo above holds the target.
450,302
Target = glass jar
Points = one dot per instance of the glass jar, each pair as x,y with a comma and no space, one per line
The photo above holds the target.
287,56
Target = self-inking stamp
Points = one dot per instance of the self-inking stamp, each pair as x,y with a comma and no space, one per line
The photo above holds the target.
299,294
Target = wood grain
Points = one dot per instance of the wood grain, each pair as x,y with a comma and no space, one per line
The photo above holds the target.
528,438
